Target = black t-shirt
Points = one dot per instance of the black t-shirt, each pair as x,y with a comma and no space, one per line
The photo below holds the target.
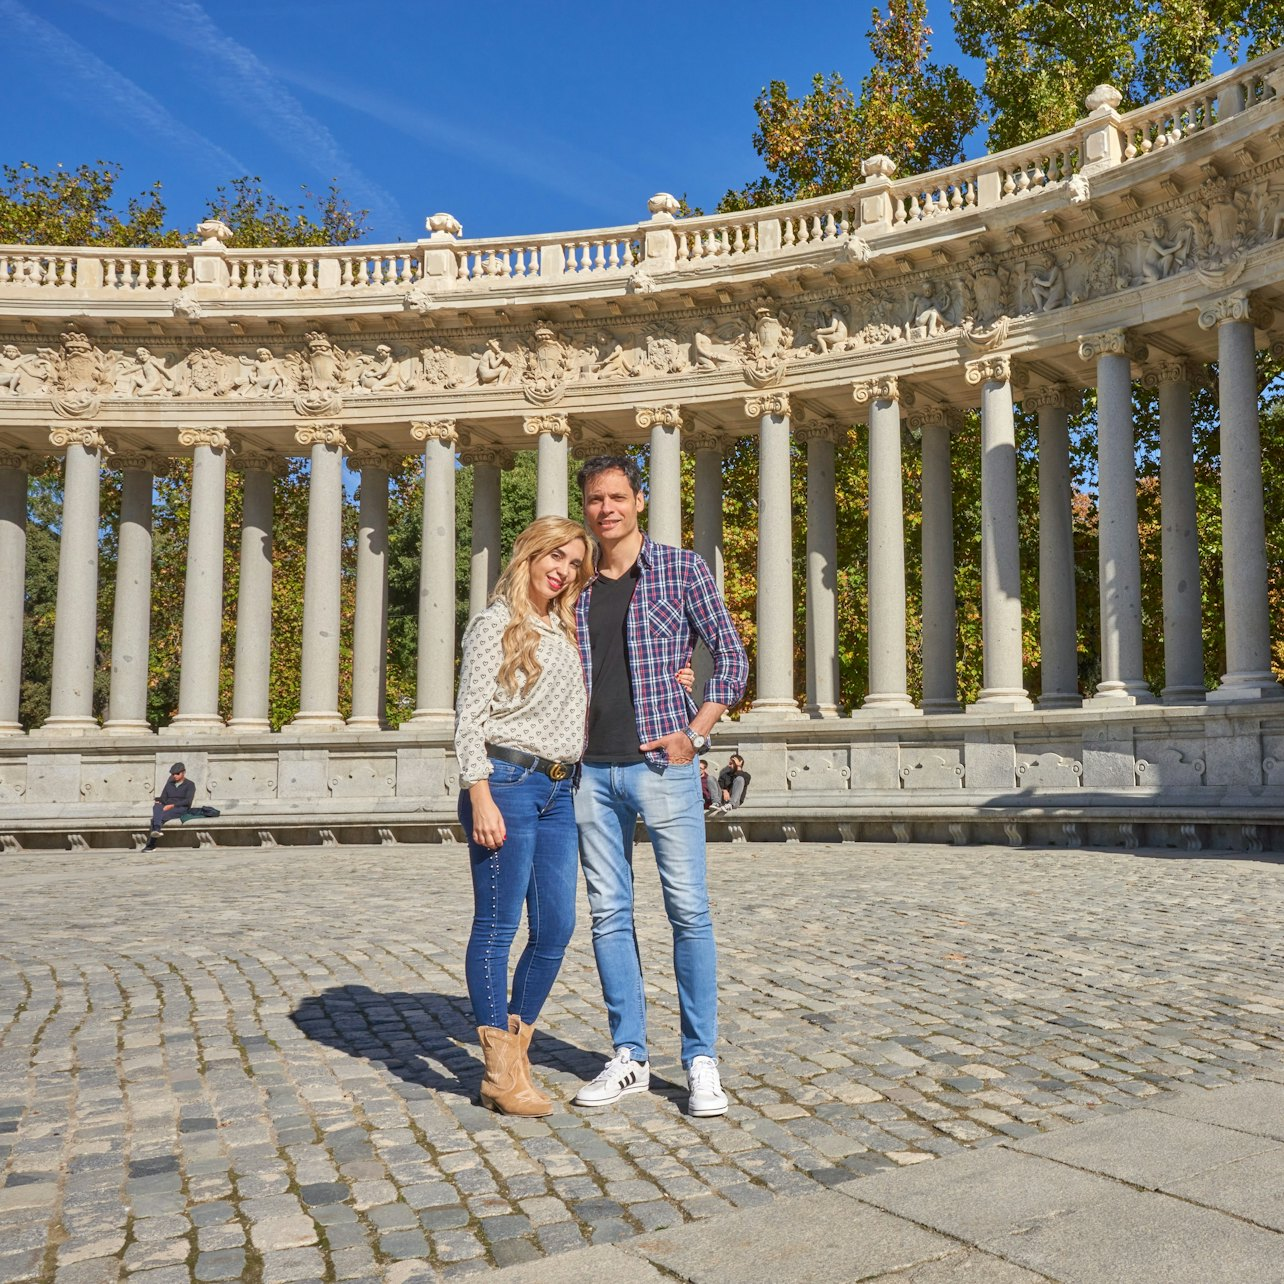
612,718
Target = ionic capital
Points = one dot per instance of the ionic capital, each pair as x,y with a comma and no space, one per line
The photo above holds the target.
1239,306
384,460
139,461
321,434
935,418
257,461
496,456
215,438
1056,396
1111,343
820,430
767,403
1169,370
61,437
703,439
435,430
887,388
593,446
664,416
556,425
993,369
12,459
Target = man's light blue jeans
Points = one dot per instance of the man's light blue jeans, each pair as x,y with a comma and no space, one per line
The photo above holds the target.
608,803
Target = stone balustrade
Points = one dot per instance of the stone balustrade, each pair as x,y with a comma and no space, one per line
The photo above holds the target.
1140,246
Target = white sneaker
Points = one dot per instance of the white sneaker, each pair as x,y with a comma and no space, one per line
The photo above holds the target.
619,1076
707,1097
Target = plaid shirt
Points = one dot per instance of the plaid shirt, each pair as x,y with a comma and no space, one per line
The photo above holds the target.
675,602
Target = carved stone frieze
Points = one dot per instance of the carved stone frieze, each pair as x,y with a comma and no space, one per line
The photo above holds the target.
767,403
665,416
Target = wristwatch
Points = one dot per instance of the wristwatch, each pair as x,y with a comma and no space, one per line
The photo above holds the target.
698,742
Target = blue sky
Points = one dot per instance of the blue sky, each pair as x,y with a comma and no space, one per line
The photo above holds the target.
515,118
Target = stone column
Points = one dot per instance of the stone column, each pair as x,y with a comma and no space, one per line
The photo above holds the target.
250,689
1119,549
435,690
822,569
1248,673
664,492
1058,623
553,432
706,528
71,686
488,462
1183,613
775,558
370,616
933,427
1002,657
319,669
203,588
13,581
132,617
888,684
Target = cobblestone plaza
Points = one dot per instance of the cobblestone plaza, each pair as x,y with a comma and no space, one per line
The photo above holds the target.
262,1065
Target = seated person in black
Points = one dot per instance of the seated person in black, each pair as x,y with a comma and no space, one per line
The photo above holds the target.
733,783
174,802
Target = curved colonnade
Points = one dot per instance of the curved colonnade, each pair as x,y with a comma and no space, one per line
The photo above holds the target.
1137,246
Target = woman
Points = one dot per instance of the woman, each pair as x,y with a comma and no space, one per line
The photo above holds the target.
519,731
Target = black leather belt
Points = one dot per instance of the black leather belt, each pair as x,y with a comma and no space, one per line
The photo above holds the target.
520,758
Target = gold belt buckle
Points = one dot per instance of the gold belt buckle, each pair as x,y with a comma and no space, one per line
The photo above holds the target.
558,771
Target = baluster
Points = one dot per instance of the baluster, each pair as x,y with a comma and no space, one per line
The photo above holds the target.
831,226
788,237
1008,185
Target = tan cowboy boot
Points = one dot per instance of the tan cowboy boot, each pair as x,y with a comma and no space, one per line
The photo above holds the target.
524,1032
501,1087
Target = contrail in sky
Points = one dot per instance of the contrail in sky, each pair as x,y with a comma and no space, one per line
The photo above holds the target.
74,66
237,74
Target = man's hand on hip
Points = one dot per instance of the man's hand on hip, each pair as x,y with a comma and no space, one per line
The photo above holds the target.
677,747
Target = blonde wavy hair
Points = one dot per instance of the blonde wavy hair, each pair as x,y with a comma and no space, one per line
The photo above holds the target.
521,637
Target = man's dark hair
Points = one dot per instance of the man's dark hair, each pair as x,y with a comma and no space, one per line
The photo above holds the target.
610,464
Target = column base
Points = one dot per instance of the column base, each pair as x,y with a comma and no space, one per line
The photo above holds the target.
1119,695
1246,686
894,705
1002,700
70,725
773,707
366,724
128,727
429,720
942,706
1184,695
12,729
1059,700
197,723
248,725
316,721
822,711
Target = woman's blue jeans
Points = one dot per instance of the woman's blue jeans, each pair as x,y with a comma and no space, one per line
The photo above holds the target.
537,866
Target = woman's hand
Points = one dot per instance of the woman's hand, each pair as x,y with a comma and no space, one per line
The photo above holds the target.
488,821
686,678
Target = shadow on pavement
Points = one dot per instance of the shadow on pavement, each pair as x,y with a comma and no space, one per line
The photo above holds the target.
425,1039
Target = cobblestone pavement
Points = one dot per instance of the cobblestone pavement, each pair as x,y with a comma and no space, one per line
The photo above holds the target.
261,1065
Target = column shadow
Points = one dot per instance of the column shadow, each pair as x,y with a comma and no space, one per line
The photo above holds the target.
424,1038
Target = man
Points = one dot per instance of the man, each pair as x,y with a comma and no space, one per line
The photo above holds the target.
706,785
637,621
733,781
175,799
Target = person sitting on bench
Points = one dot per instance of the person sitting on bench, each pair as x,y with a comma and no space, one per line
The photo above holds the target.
174,802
